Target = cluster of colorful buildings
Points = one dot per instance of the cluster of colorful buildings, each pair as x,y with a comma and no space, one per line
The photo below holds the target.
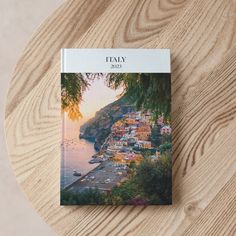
127,143
165,129
129,136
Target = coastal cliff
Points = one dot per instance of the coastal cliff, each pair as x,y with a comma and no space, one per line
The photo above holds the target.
98,128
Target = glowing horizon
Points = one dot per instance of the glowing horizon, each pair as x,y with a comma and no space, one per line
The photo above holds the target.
97,96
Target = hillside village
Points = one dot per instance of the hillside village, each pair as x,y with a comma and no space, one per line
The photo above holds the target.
132,136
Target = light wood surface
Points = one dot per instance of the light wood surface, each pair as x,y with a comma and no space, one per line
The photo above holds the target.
202,37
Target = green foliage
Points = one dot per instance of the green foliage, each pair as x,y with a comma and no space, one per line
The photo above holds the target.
165,147
132,165
85,197
151,183
148,91
155,178
167,138
125,192
72,87
146,153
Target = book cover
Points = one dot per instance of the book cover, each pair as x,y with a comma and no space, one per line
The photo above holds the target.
116,127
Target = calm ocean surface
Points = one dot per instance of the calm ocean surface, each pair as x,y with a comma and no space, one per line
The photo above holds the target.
75,154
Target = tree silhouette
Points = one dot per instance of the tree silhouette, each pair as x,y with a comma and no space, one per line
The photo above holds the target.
148,91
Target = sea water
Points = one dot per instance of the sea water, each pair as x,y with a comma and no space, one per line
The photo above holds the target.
75,154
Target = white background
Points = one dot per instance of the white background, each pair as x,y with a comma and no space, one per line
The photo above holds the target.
136,60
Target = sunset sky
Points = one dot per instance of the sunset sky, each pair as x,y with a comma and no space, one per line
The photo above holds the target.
97,96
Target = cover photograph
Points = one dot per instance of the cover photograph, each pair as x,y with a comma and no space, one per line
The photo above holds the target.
116,127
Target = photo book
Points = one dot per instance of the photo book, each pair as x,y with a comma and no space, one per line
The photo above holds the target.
116,146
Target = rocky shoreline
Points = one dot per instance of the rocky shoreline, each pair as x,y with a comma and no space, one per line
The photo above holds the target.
127,142
98,128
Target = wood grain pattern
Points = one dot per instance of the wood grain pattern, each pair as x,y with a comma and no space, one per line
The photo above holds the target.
202,38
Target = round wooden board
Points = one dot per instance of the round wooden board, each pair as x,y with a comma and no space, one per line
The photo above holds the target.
201,35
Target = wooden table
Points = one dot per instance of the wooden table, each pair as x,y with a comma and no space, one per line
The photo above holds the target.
202,37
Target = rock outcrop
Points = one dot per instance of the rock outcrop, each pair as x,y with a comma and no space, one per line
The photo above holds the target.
98,128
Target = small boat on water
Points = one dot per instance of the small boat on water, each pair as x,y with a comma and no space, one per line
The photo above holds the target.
76,173
95,160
